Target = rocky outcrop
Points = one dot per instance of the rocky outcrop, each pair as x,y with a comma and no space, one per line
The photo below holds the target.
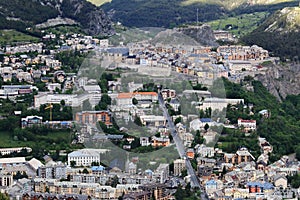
202,34
281,80
173,37
92,18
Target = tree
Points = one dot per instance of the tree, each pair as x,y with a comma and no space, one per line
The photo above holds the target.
184,173
73,163
114,181
62,102
297,151
138,121
134,101
206,127
178,120
4,196
85,171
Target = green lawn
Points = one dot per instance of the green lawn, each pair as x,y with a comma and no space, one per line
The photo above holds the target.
241,24
12,36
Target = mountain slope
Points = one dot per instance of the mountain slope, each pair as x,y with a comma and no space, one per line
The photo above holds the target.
167,13
279,33
19,14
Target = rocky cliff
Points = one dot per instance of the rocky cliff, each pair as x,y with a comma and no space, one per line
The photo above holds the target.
282,80
92,18
202,34
20,14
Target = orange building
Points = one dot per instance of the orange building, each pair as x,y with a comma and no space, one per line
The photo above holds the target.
92,117
190,153
160,142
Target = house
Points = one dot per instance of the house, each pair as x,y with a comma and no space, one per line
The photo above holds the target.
160,141
242,155
175,104
132,167
265,113
237,193
259,187
247,125
190,153
205,151
52,86
211,186
31,121
198,124
153,120
280,181
114,85
144,141
168,93
60,76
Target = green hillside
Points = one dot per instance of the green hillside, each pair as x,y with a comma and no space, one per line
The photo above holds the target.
167,13
279,33
241,24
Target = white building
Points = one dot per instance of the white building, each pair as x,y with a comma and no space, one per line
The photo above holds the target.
85,157
219,103
6,151
163,172
6,180
70,99
247,125
153,120
205,151
179,165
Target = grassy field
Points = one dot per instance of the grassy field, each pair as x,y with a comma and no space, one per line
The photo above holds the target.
64,29
63,137
12,36
99,2
241,24
133,35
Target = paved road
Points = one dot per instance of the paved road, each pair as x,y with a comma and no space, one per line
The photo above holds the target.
181,148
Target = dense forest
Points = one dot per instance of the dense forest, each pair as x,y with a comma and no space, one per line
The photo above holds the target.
169,13
19,14
282,128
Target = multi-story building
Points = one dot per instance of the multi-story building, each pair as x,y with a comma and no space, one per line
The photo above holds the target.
6,180
242,155
70,99
124,99
179,165
163,172
85,157
92,117
55,171
7,151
